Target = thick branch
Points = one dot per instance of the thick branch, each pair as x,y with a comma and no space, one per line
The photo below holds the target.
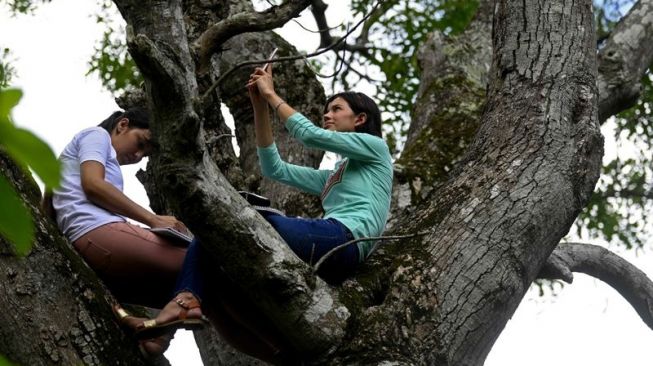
625,59
596,261
214,37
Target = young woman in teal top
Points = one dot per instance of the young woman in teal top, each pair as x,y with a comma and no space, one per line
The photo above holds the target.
355,194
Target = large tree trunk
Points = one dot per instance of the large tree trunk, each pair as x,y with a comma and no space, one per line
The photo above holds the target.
529,171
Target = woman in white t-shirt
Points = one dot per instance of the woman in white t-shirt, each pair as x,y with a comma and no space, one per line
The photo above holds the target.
138,266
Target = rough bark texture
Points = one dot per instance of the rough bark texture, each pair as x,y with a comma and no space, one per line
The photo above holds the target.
492,215
56,311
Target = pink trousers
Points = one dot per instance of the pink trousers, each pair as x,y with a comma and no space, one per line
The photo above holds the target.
138,266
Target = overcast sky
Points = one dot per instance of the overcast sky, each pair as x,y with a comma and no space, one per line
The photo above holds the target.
587,323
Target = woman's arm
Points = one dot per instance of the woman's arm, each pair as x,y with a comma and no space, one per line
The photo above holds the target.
353,145
105,195
263,129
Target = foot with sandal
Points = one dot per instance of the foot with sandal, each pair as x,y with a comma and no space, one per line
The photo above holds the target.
154,335
182,312
150,348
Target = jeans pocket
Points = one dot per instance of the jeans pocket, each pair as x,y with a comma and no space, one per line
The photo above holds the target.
95,255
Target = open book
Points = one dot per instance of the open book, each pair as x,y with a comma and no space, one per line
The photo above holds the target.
172,233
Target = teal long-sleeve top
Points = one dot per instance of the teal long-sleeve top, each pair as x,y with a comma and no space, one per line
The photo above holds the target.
356,192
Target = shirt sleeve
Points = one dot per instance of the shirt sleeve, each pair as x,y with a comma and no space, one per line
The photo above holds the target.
356,146
94,145
305,178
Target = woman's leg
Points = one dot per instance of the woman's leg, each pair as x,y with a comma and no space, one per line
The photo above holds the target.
311,239
138,266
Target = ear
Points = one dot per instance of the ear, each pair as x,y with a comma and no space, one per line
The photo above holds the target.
361,118
122,125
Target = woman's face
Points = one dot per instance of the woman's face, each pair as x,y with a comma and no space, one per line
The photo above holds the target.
339,117
131,144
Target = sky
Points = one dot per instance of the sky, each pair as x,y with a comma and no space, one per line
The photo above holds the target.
586,323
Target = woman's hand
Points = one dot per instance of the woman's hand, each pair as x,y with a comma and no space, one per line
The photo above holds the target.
262,79
258,102
161,221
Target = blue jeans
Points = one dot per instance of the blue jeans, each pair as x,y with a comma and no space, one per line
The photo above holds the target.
191,276
311,239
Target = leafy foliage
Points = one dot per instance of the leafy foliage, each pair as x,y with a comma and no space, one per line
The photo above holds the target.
616,210
27,150
7,72
5,362
111,61
22,6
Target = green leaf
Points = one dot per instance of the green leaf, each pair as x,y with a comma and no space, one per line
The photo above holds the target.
9,98
5,362
27,149
15,221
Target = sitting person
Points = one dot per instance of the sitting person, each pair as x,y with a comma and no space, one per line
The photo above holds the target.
355,194
138,266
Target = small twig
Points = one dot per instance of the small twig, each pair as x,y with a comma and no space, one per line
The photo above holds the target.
288,58
380,238
360,74
214,139
337,68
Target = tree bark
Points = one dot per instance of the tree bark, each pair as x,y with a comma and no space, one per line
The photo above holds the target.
55,310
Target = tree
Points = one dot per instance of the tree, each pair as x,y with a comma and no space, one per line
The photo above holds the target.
489,215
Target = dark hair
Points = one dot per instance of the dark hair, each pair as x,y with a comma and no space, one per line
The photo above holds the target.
361,103
138,118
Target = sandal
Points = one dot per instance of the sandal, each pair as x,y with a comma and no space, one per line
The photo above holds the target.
152,329
122,316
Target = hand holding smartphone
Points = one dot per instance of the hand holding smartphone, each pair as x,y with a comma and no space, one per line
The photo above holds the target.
274,52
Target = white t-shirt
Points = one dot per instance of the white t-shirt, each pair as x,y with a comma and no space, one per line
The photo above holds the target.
76,215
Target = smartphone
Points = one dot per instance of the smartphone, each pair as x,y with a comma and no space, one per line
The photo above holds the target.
274,52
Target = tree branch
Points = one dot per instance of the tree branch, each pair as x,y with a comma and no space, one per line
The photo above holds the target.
318,9
625,58
281,59
627,193
596,261
213,38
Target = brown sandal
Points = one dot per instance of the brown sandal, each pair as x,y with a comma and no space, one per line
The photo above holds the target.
152,329
122,316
